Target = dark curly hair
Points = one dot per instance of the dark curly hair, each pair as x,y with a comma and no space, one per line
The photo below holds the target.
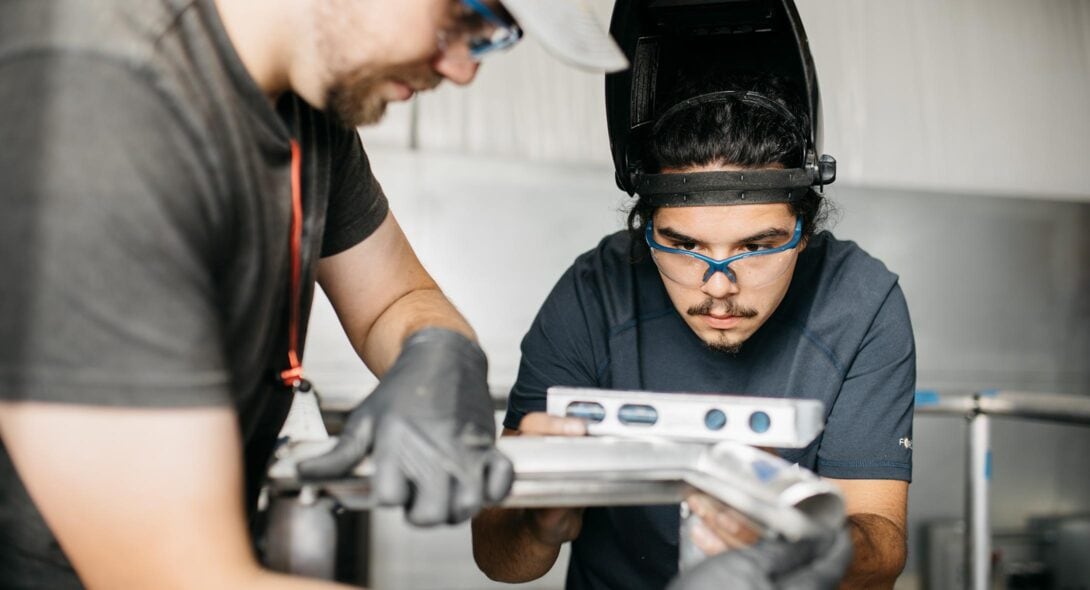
732,132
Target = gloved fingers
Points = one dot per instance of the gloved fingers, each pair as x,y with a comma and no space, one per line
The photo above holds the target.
499,474
431,499
352,446
390,485
733,569
833,556
467,493
775,557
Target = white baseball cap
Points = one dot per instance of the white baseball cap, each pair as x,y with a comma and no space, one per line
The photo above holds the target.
569,30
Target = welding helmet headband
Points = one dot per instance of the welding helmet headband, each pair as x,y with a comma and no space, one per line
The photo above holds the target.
667,41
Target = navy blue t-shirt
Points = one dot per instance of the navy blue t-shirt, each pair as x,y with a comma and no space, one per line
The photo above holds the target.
842,335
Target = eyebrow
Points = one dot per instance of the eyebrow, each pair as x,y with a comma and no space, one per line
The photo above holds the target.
772,232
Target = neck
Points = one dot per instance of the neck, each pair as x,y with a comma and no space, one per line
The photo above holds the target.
262,36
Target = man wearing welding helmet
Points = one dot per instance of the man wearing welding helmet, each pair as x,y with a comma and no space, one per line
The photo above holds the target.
722,283
177,176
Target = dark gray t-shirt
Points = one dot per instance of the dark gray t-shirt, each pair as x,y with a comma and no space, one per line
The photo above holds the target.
841,335
145,190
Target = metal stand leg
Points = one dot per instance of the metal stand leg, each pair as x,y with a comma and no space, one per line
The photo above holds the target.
302,535
978,539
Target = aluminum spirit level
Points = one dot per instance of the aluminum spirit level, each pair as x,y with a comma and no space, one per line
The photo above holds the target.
757,421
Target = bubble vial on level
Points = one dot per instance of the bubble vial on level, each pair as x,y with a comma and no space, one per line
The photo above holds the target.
587,411
760,422
715,419
637,414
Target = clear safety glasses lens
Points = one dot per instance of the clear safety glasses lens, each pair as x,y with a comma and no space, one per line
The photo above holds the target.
750,272
747,269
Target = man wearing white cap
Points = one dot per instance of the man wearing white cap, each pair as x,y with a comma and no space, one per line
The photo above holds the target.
177,176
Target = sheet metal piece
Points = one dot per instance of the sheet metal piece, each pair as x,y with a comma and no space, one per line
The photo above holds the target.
758,421
606,471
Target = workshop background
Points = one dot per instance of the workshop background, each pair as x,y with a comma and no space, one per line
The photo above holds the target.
962,132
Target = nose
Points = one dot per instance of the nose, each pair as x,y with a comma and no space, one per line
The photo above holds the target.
719,286
455,64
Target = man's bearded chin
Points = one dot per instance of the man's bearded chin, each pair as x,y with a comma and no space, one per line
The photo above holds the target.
725,346
356,102
356,99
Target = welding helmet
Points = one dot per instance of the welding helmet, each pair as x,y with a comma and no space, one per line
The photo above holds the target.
667,40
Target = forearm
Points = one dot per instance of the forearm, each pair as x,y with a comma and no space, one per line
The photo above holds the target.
247,576
272,581
879,548
505,549
414,311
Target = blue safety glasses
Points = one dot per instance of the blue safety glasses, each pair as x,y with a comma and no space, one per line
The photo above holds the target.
751,269
486,31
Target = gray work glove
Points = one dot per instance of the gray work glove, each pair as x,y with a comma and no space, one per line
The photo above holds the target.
430,424
810,564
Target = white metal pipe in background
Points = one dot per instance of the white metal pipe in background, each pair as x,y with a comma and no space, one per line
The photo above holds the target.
978,537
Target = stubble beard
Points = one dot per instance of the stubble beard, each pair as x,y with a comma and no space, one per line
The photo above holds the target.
723,343
356,99
356,103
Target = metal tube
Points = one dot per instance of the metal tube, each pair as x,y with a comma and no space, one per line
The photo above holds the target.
604,471
1053,407
978,540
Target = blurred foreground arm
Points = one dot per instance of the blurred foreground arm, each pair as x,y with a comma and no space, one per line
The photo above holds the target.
140,498
430,420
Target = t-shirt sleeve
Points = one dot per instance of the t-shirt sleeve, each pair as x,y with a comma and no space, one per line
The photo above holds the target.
869,431
357,205
107,241
557,350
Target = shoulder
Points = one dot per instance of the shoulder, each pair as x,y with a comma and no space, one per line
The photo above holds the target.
616,277
123,31
97,55
834,269
612,257
837,293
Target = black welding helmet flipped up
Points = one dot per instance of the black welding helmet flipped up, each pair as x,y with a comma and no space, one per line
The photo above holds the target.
670,40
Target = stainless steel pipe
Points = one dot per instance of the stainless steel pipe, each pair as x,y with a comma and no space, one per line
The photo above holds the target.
605,471
977,408
786,500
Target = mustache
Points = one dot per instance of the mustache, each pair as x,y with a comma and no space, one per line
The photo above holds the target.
424,80
732,308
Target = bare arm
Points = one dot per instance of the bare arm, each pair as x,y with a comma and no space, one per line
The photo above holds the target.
877,514
140,498
382,294
520,544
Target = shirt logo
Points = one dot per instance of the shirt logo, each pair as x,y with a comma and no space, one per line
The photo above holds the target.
906,443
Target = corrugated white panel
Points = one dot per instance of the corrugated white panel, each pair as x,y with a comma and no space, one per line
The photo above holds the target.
989,96
980,96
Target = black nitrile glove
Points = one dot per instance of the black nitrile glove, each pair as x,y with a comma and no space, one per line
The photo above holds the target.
431,426
811,564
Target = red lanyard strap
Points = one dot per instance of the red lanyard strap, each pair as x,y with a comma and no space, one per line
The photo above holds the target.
294,373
